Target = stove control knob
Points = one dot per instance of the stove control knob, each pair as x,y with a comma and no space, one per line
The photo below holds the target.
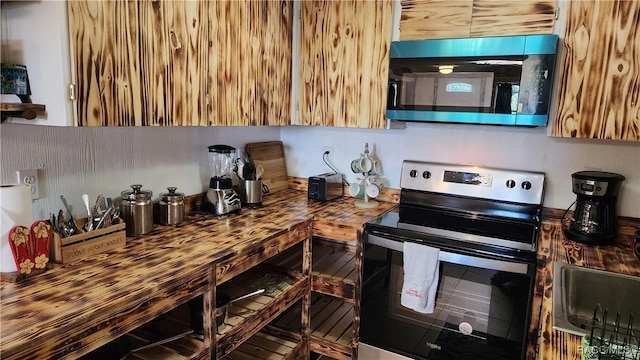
413,173
511,183
526,185
426,174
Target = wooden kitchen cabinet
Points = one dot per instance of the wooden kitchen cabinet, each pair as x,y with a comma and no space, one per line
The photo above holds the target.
598,93
435,19
180,63
343,63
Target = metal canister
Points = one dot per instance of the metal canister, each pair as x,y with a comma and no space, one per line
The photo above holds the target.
171,207
137,210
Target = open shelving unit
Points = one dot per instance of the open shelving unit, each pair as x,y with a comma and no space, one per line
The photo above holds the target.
334,284
248,317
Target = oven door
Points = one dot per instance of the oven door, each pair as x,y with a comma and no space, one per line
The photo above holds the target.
482,305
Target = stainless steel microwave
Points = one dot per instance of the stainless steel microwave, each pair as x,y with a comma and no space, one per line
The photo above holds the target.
503,80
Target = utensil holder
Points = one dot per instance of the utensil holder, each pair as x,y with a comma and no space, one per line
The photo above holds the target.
80,246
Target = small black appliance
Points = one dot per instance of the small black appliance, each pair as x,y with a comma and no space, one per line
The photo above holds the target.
594,218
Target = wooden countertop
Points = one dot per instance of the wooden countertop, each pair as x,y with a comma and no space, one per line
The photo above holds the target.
554,246
77,303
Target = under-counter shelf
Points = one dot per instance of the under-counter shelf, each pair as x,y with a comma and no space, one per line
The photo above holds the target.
331,325
333,269
245,318
265,346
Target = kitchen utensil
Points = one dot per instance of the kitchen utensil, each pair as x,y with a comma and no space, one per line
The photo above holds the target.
88,226
222,304
270,155
99,206
102,218
137,210
171,207
163,341
63,225
249,170
71,223
259,172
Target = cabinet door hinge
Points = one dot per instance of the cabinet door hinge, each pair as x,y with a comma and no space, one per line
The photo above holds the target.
72,91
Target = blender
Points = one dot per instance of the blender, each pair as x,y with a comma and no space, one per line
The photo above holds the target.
594,219
221,199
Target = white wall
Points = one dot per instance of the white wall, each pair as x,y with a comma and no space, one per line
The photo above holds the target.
73,161
34,35
503,147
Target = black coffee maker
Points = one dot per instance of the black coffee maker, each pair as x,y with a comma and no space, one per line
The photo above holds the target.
594,218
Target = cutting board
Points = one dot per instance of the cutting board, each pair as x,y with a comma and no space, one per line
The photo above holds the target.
270,155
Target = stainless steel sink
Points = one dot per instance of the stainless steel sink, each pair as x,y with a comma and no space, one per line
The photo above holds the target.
578,291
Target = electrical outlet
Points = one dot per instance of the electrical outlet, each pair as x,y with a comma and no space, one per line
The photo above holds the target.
30,177
329,157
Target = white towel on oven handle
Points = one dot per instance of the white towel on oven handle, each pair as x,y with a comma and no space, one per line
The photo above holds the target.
421,273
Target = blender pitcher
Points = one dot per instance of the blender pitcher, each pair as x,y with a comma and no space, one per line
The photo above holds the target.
221,198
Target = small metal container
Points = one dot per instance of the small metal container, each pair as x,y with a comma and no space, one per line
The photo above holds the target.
171,207
137,210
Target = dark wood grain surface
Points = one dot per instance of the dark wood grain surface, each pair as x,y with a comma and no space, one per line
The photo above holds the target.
554,246
74,308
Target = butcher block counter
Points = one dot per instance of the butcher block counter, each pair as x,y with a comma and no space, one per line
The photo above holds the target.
554,246
75,308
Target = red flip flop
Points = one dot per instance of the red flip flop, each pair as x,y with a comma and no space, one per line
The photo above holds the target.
19,241
40,238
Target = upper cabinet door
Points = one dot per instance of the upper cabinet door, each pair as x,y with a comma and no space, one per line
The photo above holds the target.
250,62
437,19
139,63
145,63
598,92
344,63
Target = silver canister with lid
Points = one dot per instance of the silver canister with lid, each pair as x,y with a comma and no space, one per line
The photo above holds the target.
137,210
171,207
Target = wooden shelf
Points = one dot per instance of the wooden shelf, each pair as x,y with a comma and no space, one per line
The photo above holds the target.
333,268
265,346
331,325
245,318
21,110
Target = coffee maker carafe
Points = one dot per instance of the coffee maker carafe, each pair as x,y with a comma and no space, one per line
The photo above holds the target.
221,198
594,218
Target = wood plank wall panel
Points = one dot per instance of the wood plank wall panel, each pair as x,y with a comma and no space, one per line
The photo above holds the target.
500,17
172,62
276,60
599,95
250,62
344,59
138,62
438,19
144,62
435,19
102,75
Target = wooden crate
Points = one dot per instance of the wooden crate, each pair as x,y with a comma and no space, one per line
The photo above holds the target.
80,246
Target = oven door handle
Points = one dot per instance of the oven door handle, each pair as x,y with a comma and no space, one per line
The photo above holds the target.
461,259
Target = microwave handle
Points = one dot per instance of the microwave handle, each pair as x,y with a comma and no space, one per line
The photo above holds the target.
460,259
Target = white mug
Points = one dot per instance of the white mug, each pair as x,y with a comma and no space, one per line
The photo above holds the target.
373,190
356,189
361,165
